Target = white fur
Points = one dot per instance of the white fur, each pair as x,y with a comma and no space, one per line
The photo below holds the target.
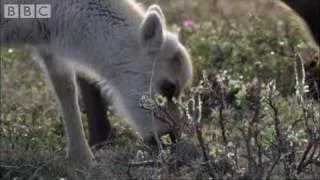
110,43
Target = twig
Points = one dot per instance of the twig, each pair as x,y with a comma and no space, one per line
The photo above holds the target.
304,162
269,172
144,163
204,152
152,112
221,120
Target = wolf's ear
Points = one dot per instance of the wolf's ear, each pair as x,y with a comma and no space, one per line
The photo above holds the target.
152,32
157,9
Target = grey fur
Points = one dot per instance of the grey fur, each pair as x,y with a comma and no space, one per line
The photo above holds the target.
106,41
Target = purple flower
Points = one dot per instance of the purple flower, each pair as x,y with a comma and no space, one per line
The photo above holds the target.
190,24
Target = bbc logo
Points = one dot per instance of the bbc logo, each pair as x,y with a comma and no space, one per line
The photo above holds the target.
27,11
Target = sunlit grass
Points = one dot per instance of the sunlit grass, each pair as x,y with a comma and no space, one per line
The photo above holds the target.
240,46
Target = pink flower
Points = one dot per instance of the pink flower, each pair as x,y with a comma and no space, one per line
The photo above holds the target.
190,24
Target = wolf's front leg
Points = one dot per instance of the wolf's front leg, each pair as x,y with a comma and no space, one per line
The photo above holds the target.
62,78
100,130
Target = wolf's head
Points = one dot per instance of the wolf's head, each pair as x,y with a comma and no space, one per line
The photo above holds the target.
162,68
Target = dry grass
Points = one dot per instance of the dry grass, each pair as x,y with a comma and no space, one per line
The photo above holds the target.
239,128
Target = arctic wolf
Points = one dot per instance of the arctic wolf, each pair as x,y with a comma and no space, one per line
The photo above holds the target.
123,49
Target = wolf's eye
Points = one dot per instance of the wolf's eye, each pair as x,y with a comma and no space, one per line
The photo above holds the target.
168,89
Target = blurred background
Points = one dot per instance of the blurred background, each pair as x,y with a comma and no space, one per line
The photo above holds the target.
257,107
